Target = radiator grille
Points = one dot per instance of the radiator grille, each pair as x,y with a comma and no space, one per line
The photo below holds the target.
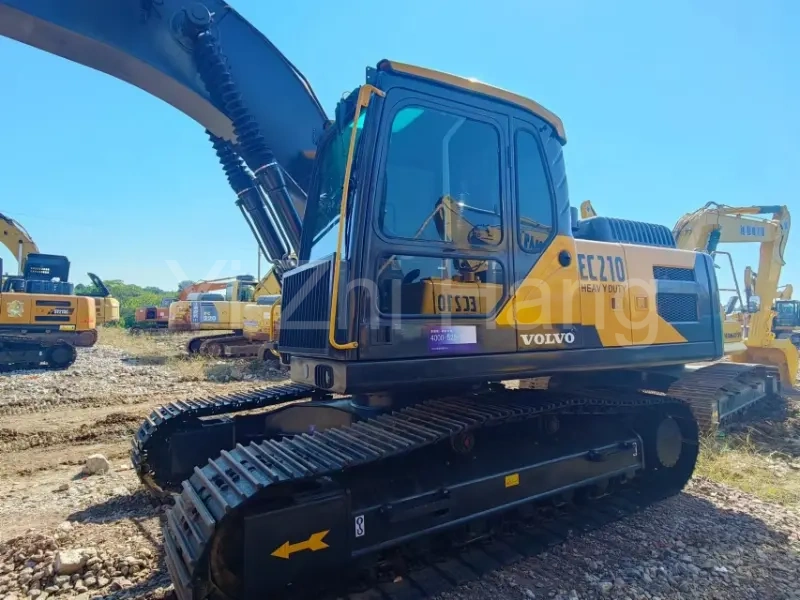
675,308
306,307
673,273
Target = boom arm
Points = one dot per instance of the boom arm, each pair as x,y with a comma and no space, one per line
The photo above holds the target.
713,224
208,285
17,240
210,63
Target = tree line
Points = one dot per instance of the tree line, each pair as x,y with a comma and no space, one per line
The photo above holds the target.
130,296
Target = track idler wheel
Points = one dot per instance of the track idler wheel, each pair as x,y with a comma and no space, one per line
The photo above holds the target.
193,346
671,446
61,355
86,339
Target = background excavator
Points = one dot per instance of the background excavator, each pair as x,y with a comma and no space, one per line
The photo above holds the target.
41,321
714,224
152,318
222,312
19,242
157,317
397,457
106,306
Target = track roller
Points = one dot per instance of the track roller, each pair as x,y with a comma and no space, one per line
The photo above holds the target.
61,355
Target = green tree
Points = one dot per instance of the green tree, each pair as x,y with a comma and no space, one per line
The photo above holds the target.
130,296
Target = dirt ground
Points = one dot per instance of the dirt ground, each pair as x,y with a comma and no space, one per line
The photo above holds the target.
719,540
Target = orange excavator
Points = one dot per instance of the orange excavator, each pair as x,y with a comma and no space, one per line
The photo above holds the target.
156,318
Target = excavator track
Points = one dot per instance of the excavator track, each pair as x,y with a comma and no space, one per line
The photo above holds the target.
261,517
224,345
233,346
20,352
194,345
721,394
154,446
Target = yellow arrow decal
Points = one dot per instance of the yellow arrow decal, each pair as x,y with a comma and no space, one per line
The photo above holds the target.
314,543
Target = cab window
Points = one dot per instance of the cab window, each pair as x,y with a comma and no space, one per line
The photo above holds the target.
322,218
442,179
246,292
534,202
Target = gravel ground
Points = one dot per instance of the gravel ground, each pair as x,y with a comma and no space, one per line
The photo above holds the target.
71,534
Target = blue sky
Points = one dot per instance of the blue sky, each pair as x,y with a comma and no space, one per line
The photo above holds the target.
667,105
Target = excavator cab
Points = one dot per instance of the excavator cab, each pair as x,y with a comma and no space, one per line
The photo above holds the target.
486,275
241,289
787,313
786,324
14,283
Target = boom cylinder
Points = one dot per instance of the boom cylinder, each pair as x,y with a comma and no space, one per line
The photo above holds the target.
250,201
221,86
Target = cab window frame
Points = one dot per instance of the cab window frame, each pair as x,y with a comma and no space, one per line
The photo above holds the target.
524,127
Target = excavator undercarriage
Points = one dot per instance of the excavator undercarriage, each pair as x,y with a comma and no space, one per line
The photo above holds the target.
223,346
365,484
20,352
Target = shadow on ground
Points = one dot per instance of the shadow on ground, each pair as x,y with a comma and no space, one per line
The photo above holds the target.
136,506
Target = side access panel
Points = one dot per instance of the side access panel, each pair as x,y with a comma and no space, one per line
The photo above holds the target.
673,297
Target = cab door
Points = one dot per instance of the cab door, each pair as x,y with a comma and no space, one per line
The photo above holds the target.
440,255
545,310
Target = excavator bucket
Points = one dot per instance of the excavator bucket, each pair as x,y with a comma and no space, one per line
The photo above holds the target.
148,44
780,353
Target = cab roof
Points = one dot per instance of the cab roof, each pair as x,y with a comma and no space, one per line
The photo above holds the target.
474,85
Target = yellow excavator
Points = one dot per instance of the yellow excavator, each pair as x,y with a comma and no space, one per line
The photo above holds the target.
41,320
223,312
397,461
20,243
714,224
